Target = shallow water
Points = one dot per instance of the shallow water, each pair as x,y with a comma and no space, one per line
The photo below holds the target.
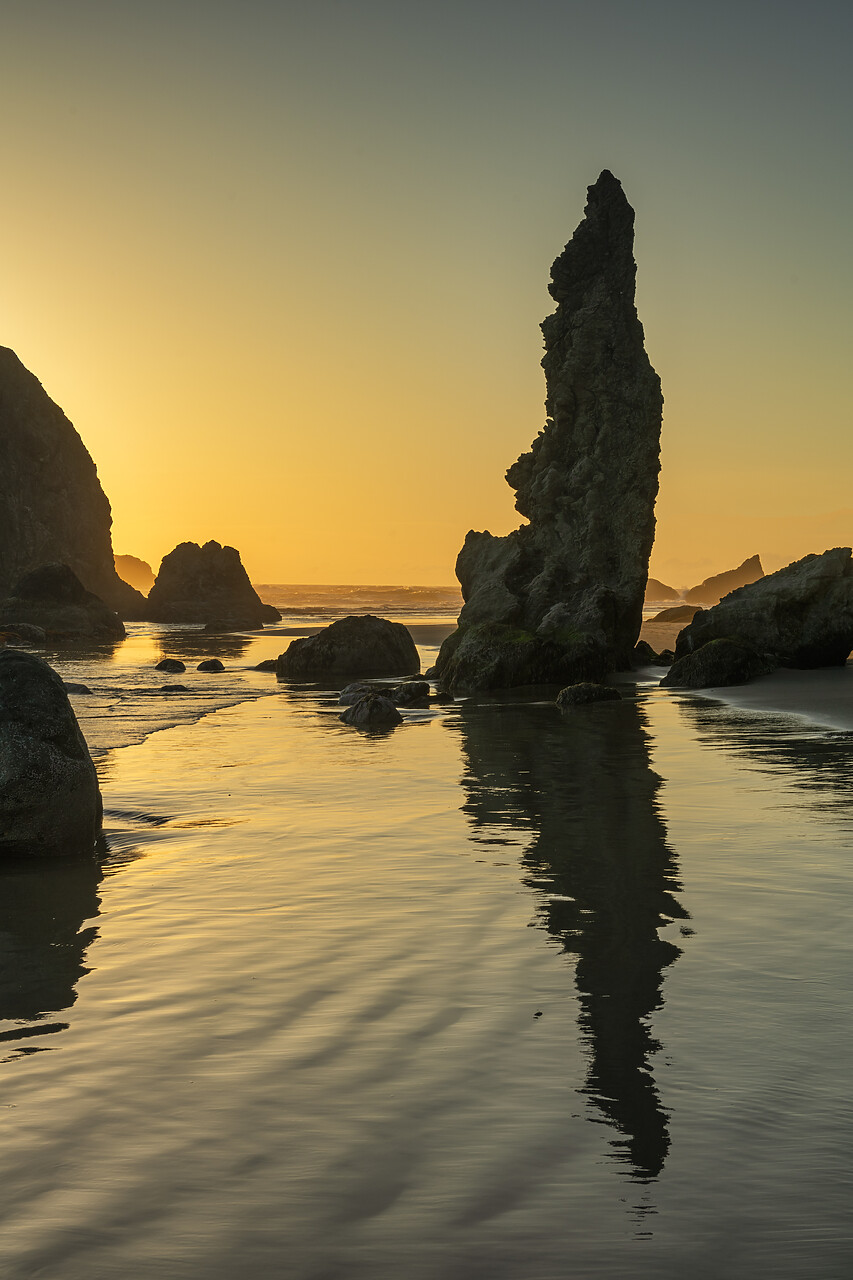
497,994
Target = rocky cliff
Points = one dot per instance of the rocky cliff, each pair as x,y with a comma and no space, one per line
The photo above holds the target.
52,506
206,584
574,578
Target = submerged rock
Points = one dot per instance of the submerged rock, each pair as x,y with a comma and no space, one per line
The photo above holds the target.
581,695
712,590
268,664
52,506
207,584
372,711
50,803
170,664
211,664
576,574
53,599
717,664
802,615
360,645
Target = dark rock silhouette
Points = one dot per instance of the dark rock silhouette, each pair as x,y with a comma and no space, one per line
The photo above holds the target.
170,664
54,599
413,694
800,616
712,590
360,645
574,578
206,584
372,711
678,613
580,792
211,664
717,664
50,804
52,506
659,591
138,573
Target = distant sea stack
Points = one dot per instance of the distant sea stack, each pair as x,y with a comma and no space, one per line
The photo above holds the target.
52,506
712,590
138,573
566,591
206,584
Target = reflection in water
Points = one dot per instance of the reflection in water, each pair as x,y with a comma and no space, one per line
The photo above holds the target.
582,785
43,907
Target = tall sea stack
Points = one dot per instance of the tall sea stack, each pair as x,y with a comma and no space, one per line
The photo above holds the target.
561,598
52,506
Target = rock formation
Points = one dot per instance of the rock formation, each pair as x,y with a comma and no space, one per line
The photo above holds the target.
137,573
360,645
52,506
717,664
49,798
801,616
206,584
54,599
657,592
712,590
573,579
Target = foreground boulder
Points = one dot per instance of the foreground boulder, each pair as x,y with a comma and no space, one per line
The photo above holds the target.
576,574
712,590
717,664
50,804
52,506
372,711
360,645
801,616
207,584
54,599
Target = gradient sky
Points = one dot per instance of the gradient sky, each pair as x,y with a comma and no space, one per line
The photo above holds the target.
283,265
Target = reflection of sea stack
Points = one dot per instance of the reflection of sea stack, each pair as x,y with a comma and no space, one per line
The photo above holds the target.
52,506
585,786
573,579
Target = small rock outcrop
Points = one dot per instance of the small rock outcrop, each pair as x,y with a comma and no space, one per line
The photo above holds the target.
372,711
585,693
52,506
800,616
717,664
137,573
50,804
206,584
54,599
574,578
415,693
712,590
170,664
360,645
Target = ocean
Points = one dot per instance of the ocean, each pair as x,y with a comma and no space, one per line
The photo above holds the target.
501,993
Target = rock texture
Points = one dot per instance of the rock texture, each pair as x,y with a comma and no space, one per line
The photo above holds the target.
360,645
50,804
712,590
575,576
586,693
138,573
716,665
801,616
53,599
52,506
206,584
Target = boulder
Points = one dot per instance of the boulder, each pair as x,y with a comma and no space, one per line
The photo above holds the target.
24,633
717,664
372,711
52,506
170,664
415,693
490,655
207,584
50,803
353,692
712,590
581,695
53,599
801,616
71,687
588,486
360,645
137,573
211,664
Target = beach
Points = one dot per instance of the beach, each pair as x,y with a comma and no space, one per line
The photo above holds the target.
500,993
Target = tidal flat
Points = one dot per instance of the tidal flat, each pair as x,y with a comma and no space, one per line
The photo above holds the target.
502,993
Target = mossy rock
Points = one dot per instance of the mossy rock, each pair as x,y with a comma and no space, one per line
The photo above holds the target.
585,693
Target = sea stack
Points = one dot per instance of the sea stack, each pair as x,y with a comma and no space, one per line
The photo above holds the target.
52,506
207,584
561,598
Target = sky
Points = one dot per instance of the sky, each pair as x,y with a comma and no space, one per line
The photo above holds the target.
284,264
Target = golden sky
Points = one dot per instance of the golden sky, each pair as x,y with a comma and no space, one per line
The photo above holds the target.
284,265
